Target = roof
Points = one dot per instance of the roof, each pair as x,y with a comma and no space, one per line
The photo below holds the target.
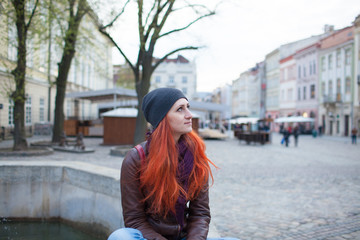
179,59
339,37
121,112
101,95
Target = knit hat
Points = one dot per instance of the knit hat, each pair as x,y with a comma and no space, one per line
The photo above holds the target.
157,103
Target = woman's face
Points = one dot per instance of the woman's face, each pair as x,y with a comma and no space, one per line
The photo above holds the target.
179,117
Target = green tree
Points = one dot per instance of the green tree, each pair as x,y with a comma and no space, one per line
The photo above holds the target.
23,19
152,17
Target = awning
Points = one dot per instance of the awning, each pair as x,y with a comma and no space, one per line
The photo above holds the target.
293,119
244,120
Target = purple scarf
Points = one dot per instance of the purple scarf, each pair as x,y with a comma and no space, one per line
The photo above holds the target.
185,166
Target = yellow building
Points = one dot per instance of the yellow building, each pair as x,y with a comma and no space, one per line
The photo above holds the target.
91,69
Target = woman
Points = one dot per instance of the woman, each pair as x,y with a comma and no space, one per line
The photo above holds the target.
165,191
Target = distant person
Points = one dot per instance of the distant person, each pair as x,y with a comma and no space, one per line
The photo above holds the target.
320,131
286,136
296,135
165,180
353,135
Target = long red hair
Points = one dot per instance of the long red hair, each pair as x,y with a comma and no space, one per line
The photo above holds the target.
158,173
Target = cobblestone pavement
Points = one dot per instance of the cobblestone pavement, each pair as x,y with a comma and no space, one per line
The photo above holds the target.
270,192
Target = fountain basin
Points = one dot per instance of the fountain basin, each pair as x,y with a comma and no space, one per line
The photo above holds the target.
85,195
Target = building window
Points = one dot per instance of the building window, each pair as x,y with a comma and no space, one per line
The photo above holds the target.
323,66
323,88
12,47
299,94
158,79
299,71
171,79
314,67
290,94
28,110
337,126
312,91
11,112
347,85
304,71
68,108
330,88
330,62
75,71
338,58
310,69
184,79
42,110
184,90
338,85
304,92
347,57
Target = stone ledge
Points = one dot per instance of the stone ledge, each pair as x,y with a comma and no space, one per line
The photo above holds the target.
32,151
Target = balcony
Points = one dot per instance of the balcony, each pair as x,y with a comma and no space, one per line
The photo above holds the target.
332,98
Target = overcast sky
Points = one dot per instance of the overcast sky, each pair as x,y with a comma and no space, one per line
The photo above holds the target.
244,31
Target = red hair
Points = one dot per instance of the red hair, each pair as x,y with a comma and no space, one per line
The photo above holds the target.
158,173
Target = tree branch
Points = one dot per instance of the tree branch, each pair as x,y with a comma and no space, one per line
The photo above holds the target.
187,26
111,23
31,16
102,30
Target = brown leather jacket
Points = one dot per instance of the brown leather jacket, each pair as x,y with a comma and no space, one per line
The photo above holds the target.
154,227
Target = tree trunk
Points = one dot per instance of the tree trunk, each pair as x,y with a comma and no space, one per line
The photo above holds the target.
142,88
18,96
61,81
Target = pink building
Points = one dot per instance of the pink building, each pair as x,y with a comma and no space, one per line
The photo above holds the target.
307,82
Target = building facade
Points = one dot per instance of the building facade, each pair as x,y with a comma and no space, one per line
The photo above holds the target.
336,79
307,82
356,83
272,84
176,73
287,86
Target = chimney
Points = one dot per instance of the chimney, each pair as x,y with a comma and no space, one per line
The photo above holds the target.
328,28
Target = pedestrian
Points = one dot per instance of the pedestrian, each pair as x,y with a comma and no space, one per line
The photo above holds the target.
285,138
353,135
164,180
296,135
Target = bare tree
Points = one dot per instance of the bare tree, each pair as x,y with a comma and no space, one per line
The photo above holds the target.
151,21
23,20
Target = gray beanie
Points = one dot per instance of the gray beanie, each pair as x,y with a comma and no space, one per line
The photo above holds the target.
157,103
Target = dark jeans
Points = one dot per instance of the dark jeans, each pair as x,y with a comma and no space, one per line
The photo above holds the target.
353,139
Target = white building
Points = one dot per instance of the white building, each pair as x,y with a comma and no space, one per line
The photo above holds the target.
356,83
336,79
176,73
246,94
